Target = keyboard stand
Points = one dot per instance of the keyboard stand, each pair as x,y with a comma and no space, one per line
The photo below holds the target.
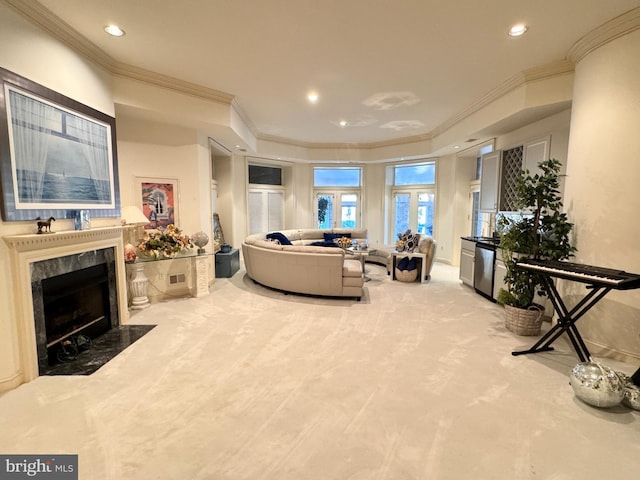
567,320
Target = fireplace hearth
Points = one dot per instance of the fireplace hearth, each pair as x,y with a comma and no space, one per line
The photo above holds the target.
103,349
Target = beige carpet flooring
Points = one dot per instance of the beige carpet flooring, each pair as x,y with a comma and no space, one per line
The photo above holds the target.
416,381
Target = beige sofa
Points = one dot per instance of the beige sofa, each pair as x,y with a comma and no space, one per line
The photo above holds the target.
302,268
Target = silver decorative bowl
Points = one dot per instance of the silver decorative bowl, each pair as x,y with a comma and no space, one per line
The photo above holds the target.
596,384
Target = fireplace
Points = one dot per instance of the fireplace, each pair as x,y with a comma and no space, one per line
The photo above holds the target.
35,259
72,295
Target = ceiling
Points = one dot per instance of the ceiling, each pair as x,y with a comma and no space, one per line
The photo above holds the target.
392,69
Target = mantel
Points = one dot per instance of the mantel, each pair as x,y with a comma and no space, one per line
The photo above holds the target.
32,242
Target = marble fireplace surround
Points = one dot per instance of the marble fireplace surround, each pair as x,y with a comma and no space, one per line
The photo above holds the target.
28,249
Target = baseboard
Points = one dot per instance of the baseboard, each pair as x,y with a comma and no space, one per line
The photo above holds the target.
11,382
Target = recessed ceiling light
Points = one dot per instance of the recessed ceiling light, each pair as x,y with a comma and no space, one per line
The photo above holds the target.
312,97
114,31
517,30
344,123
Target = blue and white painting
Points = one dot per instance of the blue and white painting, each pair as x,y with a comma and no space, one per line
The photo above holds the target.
60,158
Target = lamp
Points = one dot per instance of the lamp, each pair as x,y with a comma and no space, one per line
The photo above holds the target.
132,219
132,215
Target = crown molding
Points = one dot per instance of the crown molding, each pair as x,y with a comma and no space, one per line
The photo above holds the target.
337,146
65,33
165,81
62,31
605,33
521,79
543,72
46,20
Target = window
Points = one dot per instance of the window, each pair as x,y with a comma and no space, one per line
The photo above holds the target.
418,174
337,194
413,198
261,175
425,213
476,217
336,177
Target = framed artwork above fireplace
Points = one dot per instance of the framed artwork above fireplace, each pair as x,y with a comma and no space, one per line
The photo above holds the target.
56,154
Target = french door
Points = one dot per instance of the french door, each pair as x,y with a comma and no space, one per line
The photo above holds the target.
413,209
337,209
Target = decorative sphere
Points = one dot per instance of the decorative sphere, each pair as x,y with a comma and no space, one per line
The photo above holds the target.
596,384
631,396
200,239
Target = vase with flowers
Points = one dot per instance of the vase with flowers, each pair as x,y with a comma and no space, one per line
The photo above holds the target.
166,243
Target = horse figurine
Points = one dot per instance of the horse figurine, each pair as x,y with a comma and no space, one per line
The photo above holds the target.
44,226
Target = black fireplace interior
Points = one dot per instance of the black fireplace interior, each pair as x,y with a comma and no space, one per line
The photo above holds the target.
75,303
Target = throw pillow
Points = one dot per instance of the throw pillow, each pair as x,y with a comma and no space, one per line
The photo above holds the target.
322,243
281,237
407,264
331,237
402,264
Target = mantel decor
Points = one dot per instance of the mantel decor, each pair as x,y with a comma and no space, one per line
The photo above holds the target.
57,156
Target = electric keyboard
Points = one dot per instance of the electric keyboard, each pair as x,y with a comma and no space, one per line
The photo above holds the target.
600,282
616,279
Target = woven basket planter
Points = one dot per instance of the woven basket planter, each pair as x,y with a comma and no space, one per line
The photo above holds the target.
524,321
406,275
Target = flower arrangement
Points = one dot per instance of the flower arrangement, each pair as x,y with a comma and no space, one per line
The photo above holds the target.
165,243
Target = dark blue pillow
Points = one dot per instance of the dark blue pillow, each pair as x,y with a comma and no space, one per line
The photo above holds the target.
281,237
322,243
330,237
407,264
402,264
412,264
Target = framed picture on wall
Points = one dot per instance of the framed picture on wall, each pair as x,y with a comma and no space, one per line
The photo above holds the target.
56,154
158,199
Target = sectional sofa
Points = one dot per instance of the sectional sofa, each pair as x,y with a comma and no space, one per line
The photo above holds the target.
301,267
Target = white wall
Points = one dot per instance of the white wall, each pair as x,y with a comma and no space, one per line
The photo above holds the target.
148,149
28,52
601,192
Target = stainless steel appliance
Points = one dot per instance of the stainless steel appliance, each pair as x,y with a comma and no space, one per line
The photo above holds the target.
484,269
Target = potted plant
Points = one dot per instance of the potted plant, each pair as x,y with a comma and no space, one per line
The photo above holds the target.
540,231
